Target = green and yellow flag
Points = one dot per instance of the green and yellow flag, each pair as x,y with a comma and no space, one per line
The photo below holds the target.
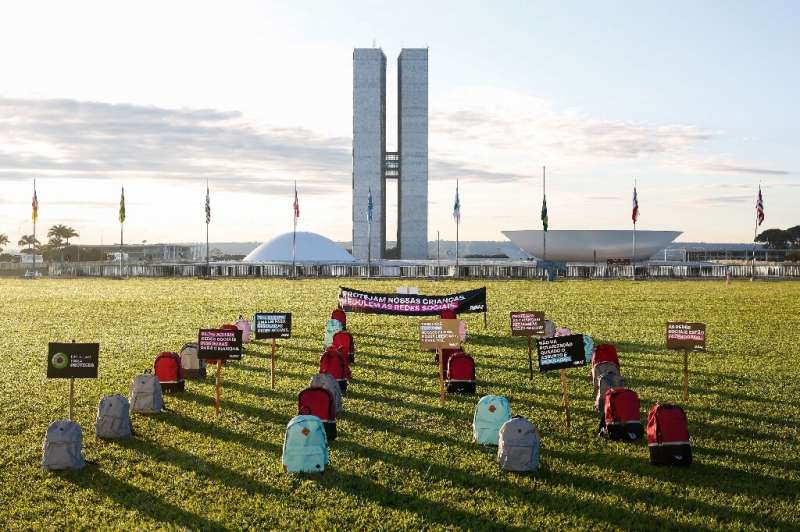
34,204
122,206
544,212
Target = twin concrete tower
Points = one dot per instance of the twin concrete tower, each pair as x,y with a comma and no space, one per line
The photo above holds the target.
373,165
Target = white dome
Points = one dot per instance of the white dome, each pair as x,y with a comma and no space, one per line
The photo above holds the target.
310,247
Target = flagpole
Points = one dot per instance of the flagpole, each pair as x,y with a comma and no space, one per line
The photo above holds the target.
369,246
34,228
544,233
633,258
458,222
755,235
208,220
294,230
121,225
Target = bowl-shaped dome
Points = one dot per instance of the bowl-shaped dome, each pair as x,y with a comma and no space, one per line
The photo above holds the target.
309,247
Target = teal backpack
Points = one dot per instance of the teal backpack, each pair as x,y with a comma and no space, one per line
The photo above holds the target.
305,446
490,414
588,348
331,327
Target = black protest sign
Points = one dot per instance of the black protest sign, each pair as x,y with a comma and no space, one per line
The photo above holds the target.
527,324
219,344
72,361
561,352
686,336
273,325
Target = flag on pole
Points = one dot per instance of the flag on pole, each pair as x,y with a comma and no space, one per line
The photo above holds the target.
296,203
759,207
122,206
457,207
544,213
635,212
34,204
208,205
369,206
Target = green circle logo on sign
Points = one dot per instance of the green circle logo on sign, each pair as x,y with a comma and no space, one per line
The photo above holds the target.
60,360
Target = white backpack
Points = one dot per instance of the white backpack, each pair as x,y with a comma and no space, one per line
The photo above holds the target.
61,447
146,397
113,417
518,445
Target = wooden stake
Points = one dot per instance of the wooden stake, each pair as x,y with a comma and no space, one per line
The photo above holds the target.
484,319
441,375
530,357
685,375
219,365
565,393
71,380
272,364
72,399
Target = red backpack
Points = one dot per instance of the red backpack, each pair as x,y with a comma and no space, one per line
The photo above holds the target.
447,353
167,368
344,341
622,416
334,363
339,315
668,436
319,402
605,353
460,376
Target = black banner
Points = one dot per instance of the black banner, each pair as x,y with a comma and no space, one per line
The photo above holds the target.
411,304
72,361
273,325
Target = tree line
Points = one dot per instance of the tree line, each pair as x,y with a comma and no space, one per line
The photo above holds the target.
56,247
781,238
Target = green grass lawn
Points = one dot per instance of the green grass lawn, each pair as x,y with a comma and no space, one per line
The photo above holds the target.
401,460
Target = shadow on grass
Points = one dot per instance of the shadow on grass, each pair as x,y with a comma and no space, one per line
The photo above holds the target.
138,500
523,488
704,476
202,467
260,413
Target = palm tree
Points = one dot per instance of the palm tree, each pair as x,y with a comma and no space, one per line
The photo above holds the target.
54,244
69,232
3,240
29,243
64,232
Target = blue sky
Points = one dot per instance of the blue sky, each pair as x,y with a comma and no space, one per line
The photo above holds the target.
696,100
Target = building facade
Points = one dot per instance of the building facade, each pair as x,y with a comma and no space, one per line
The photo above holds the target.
373,165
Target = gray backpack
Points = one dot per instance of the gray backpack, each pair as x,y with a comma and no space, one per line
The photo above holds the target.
518,445
61,447
602,368
146,395
327,381
193,367
606,381
113,417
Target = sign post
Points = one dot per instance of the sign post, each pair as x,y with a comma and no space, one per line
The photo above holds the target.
686,337
565,393
561,353
439,334
216,387
72,361
219,345
273,325
528,324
